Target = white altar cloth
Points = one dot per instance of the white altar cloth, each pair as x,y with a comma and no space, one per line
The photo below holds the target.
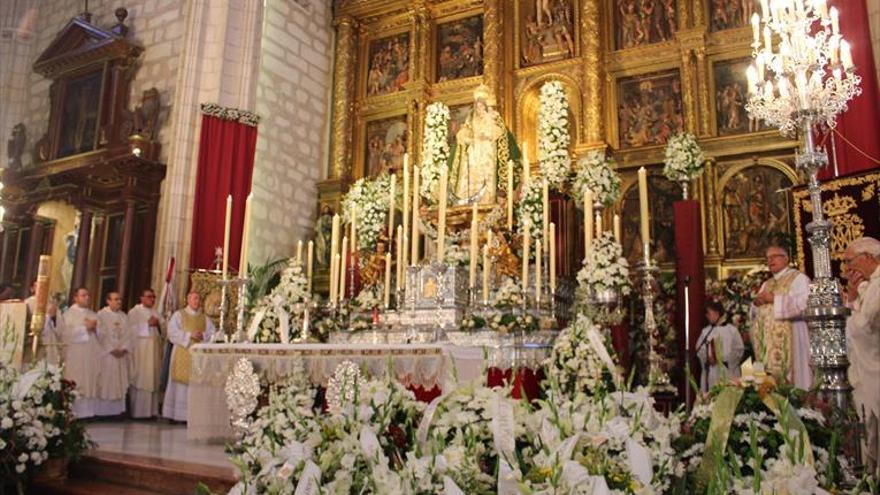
419,365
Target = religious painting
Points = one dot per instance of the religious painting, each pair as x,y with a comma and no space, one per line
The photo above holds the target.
388,69
79,115
727,14
755,211
650,109
385,145
731,96
458,115
662,194
642,22
547,32
460,49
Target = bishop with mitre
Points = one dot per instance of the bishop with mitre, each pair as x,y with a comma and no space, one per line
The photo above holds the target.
81,353
144,325
187,327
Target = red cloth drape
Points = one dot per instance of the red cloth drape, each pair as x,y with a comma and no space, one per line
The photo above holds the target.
226,165
860,125
526,380
688,264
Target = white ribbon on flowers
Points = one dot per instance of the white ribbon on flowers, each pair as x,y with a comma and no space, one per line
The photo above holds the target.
599,346
25,383
427,418
576,476
450,488
505,444
369,442
639,461
254,327
309,481
564,451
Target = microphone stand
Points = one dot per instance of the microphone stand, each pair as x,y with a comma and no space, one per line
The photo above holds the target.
687,344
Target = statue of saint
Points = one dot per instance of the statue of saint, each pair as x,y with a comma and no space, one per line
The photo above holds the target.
478,161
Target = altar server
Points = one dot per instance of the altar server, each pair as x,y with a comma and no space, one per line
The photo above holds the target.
144,326
81,353
719,348
778,331
114,339
862,261
187,326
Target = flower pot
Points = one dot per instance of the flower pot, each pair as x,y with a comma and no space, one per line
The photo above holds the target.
54,470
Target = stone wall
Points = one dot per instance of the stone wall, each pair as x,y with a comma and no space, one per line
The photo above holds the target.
292,98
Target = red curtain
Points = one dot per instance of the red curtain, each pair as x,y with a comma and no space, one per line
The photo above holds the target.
688,266
226,164
860,125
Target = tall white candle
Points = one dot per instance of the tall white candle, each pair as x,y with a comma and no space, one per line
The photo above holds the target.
342,268
617,227
538,277
299,252
245,238
400,251
310,260
406,200
487,268
392,199
387,280
545,206
353,235
588,220
334,276
414,238
599,229
552,258
510,195
473,251
227,225
441,222
525,261
643,211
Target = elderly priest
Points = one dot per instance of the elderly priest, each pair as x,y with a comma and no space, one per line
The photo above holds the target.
187,326
144,326
81,353
862,259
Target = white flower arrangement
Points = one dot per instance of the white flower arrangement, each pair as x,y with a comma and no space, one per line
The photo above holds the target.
605,268
282,308
595,171
369,198
554,138
684,158
530,211
577,364
435,149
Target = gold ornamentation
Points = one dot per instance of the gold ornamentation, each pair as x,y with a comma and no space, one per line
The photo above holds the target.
594,116
491,46
340,165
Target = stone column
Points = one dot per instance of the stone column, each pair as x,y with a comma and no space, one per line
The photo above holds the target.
591,48
83,242
492,47
343,97
125,251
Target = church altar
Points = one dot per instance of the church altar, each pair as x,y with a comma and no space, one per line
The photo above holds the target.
423,366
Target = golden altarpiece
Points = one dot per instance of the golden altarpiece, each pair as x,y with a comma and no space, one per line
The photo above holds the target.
635,71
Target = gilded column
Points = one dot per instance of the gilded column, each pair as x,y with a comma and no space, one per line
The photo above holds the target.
699,13
591,47
710,179
343,94
684,15
492,56
688,83
703,77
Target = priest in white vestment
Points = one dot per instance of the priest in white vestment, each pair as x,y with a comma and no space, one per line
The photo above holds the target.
144,326
187,326
862,260
82,353
114,339
719,348
51,336
778,330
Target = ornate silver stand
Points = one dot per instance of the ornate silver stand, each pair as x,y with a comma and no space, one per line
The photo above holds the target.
825,313
658,380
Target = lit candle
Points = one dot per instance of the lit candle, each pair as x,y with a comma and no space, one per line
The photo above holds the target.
226,232
525,260
599,229
765,8
441,221
538,256
342,268
545,205
406,200
552,241
756,28
525,161
391,201
486,270
588,220
510,195
334,258
310,259
617,227
643,210
835,20
414,238
846,55
245,238
387,280
472,275
822,7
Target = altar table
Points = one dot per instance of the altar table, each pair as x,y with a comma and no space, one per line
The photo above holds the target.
414,365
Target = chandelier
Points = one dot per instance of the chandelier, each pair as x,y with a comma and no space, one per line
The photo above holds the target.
807,78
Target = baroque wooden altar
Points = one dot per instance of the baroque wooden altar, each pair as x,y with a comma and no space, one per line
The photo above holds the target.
391,61
98,158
